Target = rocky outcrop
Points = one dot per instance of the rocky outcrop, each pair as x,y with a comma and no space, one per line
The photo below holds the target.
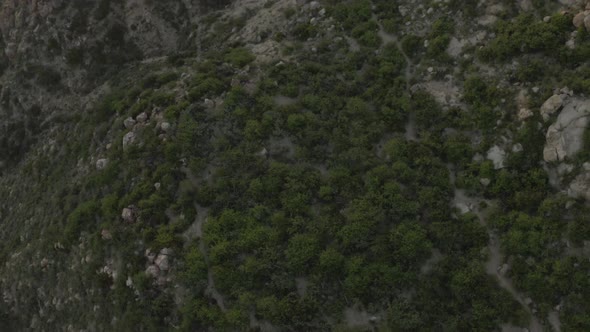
551,105
564,138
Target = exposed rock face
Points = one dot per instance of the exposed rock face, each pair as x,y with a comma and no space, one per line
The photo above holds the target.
551,105
565,136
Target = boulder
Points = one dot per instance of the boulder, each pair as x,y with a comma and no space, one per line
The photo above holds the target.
165,126
101,163
551,105
163,262
128,214
152,271
587,23
142,117
129,123
129,139
565,137
106,234
497,156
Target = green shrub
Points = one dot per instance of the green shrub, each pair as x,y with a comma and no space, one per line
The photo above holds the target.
239,57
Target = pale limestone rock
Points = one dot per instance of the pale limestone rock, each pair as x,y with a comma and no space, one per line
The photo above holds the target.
551,105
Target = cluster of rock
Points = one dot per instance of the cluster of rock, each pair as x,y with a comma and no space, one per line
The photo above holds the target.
159,265
582,19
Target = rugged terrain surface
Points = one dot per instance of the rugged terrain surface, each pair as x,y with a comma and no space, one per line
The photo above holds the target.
294,165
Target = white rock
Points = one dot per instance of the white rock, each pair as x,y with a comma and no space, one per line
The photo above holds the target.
551,105
142,117
101,163
163,262
152,271
106,234
129,123
517,148
565,137
497,156
165,126
129,139
128,215
578,20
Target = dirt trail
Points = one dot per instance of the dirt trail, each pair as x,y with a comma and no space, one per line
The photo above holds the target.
467,204
196,231
410,126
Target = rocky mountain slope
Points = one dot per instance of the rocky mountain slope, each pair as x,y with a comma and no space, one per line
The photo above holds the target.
292,165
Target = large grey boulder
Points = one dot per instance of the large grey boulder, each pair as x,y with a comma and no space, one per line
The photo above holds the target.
566,136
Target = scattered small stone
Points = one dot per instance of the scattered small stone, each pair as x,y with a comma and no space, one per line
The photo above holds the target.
546,19
535,89
524,114
157,185
430,70
485,182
